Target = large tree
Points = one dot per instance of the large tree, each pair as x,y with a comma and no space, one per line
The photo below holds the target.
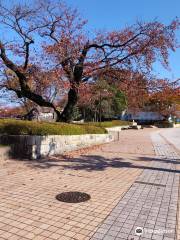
53,37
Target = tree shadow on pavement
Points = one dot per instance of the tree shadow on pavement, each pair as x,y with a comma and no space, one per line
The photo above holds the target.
98,163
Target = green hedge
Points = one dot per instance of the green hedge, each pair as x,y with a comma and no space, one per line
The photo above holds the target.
114,123
163,124
3,145
19,127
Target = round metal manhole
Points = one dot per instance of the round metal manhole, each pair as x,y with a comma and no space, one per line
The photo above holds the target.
73,197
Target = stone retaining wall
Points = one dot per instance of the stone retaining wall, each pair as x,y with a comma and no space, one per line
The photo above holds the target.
4,152
35,147
177,125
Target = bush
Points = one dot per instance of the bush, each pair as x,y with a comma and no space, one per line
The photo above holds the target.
3,145
114,123
163,124
19,127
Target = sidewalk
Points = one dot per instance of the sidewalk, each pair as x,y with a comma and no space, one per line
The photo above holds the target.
172,136
151,204
29,210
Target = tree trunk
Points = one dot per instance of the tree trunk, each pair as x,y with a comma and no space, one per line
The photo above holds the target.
66,115
58,115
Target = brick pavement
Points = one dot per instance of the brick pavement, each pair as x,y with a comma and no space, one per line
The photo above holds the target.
151,202
29,210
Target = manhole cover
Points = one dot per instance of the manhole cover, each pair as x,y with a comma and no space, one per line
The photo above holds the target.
73,197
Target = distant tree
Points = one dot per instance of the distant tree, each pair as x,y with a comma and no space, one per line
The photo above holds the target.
11,112
134,87
76,114
164,96
119,103
92,97
63,48
101,100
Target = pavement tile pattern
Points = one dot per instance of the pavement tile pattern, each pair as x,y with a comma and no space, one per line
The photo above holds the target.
29,210
110,173
149,208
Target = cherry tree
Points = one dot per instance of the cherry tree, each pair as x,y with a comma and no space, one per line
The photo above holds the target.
52,37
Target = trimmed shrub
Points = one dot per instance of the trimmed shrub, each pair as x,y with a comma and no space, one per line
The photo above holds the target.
19,127
114,123
164,124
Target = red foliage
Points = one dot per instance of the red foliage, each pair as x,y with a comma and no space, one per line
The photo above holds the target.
164,96
64,56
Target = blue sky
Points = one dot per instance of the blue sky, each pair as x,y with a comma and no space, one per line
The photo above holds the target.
115,14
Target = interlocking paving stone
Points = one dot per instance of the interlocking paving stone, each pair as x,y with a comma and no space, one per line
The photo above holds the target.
151,202
28,188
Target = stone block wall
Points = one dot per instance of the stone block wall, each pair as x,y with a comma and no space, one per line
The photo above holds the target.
177,125
36,147
4,152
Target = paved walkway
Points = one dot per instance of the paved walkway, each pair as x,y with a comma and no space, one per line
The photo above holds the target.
173,136
110,174
149,208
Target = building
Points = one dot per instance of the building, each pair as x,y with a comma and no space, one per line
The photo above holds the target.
142,116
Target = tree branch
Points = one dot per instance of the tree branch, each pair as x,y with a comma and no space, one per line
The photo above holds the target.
102,46
27,45
9,64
